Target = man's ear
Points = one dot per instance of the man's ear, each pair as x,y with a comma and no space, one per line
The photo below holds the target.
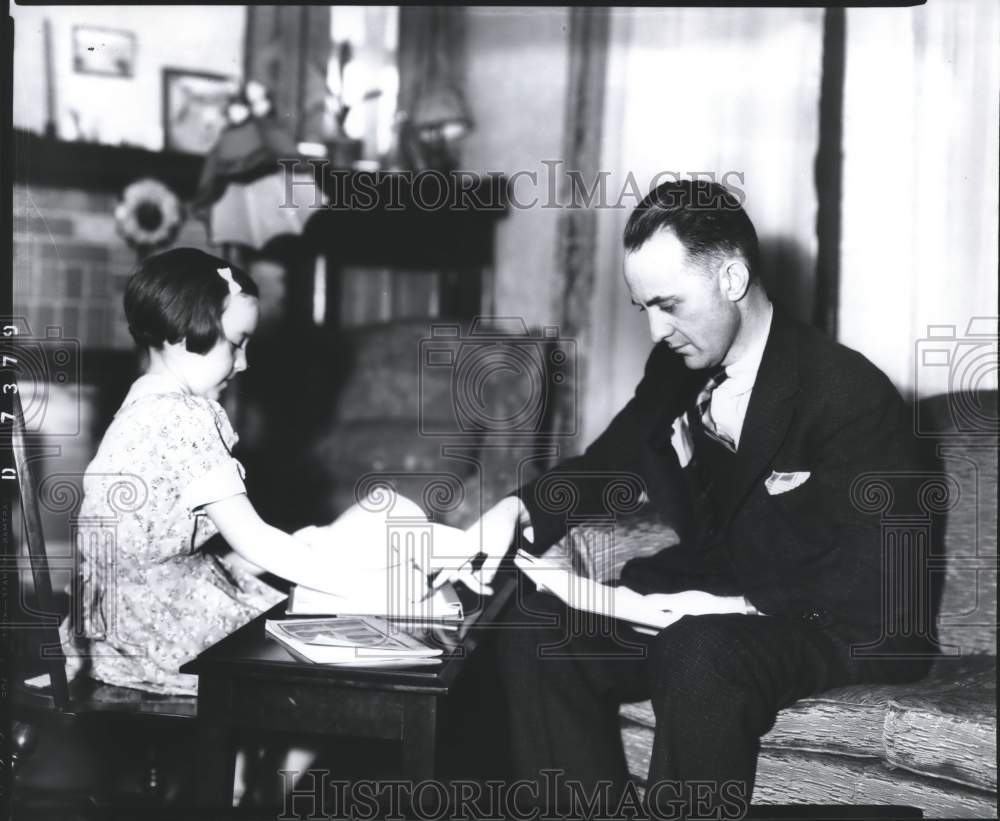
734,279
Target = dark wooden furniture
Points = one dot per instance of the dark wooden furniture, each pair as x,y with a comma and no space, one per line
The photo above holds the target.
47,161
36,710
249,682
429,221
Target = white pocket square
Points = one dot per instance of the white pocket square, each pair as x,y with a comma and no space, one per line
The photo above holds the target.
779,482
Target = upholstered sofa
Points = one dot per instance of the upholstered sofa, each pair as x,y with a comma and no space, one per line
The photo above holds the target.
931,744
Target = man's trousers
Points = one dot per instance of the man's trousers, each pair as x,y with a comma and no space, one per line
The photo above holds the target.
716,684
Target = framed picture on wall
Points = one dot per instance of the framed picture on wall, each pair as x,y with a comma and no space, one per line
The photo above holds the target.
194,109
98,50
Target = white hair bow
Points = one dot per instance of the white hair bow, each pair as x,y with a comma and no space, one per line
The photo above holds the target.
227,275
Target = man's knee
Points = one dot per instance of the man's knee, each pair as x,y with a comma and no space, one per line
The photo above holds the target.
699,655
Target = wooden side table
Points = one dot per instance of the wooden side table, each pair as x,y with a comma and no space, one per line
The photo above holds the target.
248,681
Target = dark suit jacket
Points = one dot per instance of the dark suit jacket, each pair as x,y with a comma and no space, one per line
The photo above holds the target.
811,552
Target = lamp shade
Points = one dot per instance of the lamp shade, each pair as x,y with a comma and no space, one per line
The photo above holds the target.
251,214
440,106
243,191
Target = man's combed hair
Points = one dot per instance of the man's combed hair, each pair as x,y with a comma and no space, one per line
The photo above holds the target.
179,294
707,218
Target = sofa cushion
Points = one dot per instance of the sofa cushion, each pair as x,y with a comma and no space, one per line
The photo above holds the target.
848,720
798,777
948,727
787,777
960,431
896,722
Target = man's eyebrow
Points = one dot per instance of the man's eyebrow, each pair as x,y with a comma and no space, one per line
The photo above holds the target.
656,300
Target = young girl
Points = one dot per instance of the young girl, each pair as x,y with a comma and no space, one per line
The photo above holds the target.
164,481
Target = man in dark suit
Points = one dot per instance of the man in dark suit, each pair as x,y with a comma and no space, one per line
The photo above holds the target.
747,431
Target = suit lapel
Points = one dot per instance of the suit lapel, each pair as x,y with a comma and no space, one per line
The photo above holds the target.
770,410
768,415
669,491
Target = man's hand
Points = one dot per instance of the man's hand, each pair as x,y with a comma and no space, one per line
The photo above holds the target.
697,603
492,535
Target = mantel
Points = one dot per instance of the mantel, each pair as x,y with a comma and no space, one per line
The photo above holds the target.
402,218
381,217
95,167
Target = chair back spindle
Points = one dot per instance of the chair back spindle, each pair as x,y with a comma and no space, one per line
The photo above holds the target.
45,606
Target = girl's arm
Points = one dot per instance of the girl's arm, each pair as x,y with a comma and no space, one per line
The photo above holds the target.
273,549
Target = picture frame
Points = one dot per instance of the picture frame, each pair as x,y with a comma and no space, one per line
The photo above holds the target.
194,109
105,51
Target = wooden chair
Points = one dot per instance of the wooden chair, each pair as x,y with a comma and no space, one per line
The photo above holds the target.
98,710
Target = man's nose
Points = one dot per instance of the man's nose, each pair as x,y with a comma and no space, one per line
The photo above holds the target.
660,327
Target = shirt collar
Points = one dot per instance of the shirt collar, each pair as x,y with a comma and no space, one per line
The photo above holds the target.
744,371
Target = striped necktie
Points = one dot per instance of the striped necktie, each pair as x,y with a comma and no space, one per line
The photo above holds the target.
703,407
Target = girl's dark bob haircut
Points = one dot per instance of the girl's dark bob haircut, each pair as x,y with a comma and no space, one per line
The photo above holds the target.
179,294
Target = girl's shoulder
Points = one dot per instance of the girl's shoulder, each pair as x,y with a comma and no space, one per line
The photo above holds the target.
159,404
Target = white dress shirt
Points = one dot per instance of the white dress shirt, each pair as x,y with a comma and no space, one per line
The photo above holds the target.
730,400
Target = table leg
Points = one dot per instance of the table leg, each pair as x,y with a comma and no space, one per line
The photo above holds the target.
419,737
216,758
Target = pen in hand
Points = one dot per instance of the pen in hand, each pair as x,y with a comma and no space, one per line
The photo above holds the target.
460,574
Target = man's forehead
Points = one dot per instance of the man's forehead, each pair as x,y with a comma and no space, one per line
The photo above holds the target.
659,263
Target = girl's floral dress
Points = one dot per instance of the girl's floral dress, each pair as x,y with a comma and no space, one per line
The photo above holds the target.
149,598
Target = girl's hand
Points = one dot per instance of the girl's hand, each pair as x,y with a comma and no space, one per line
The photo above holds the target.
310,534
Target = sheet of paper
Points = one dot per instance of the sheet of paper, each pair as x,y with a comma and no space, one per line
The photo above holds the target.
442,605
590,596
371,537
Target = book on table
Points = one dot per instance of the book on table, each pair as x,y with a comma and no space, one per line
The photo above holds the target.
365,641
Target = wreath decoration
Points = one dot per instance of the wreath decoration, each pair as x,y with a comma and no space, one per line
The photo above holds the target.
149,215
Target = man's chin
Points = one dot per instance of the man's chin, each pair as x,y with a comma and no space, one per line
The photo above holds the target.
693,360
